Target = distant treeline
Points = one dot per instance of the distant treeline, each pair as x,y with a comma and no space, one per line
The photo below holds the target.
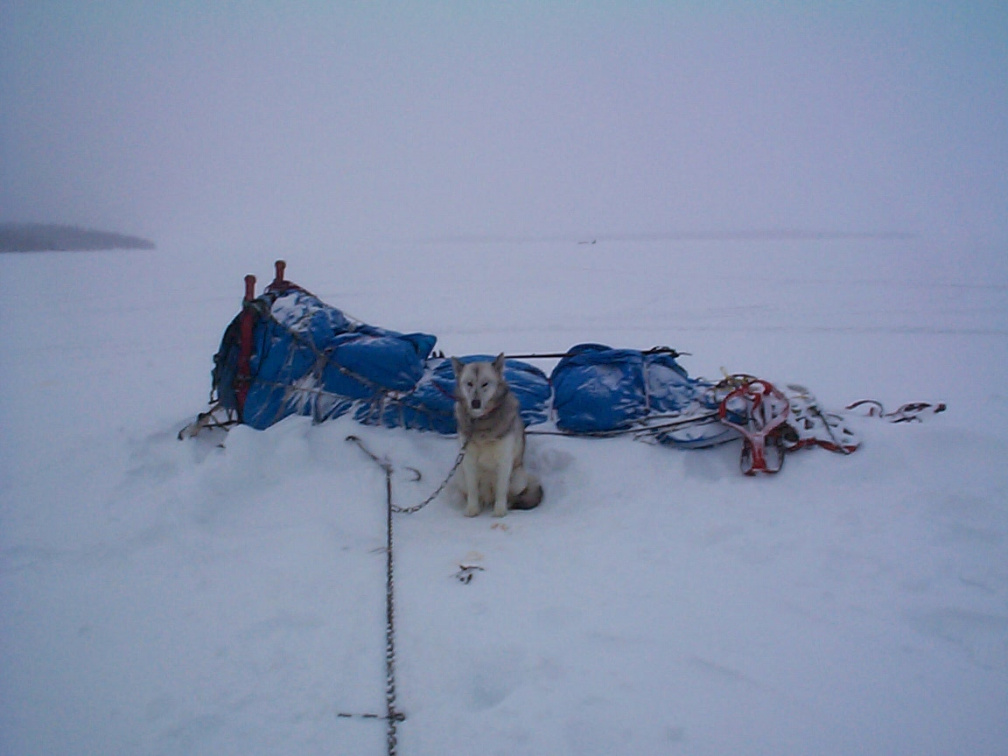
45,237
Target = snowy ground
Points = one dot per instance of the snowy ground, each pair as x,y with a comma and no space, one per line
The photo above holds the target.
166,597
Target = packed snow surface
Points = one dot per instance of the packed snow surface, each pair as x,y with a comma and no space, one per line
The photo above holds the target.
180,597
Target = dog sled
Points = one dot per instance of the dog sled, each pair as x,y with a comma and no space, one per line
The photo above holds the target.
289,353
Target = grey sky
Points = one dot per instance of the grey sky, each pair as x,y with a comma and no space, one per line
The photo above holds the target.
305,123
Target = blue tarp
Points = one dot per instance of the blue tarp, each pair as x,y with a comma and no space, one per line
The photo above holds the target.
598,388
431,404
309,358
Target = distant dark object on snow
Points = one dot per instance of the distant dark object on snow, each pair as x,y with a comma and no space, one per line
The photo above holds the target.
47,237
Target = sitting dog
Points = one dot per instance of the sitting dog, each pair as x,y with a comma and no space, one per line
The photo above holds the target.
493,434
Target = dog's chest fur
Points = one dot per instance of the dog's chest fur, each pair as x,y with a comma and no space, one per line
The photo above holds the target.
486,435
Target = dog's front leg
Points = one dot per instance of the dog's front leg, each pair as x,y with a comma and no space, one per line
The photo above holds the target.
470,471
505,464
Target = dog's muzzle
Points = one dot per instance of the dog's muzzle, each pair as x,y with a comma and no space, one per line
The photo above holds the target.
476,404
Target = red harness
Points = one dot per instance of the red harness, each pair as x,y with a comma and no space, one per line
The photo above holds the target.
765,410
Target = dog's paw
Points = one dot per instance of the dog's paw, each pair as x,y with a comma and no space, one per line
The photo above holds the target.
472,511
500,511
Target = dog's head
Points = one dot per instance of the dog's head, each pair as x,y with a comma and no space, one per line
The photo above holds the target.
479,385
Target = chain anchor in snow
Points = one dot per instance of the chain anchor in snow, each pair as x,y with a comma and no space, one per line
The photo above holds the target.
466,572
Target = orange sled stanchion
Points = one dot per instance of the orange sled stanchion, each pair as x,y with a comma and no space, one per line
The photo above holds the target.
243,377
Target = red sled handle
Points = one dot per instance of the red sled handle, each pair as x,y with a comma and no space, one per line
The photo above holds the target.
243,378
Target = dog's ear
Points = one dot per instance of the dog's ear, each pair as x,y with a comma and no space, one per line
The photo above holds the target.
457,367
498,364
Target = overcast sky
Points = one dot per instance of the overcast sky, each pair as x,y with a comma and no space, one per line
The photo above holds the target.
305,123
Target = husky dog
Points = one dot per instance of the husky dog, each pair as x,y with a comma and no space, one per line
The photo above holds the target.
493,433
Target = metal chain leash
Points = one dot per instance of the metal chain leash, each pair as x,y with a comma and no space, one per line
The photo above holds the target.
392,715
384,463
451,473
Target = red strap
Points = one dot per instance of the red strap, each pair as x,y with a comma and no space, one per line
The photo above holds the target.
762,418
